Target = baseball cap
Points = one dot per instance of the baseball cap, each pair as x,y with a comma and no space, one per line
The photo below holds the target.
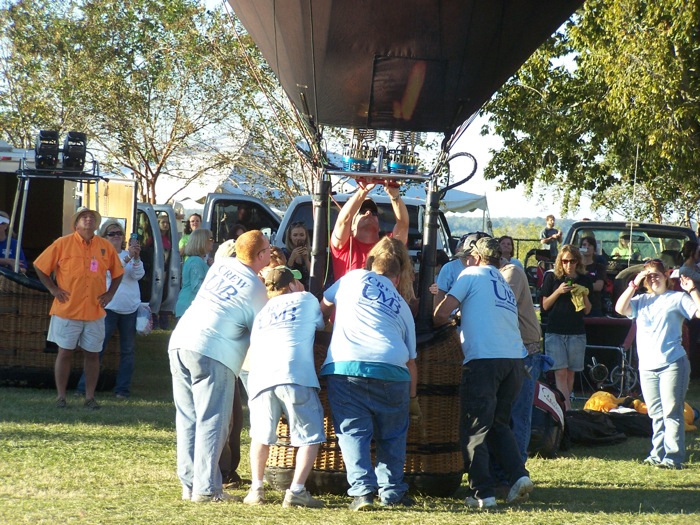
281,276
468,241
368,204
82,210
488,248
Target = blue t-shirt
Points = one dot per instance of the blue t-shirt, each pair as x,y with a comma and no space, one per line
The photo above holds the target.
10,253
219,321
489,328
282,343
553,245
659,327
373,328
448,274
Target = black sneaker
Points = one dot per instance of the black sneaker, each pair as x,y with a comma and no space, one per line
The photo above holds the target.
405,501
61,402
365,502
91,404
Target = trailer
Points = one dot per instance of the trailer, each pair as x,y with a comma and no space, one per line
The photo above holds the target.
40,202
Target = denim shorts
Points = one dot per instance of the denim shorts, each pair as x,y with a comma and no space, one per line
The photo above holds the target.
567,351
299,403
68,333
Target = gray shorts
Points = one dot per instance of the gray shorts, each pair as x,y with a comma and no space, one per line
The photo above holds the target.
300,405
68,333
567,351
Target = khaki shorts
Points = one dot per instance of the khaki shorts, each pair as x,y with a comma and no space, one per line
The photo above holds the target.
68,334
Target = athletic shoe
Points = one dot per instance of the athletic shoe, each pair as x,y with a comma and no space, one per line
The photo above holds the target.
478,503
186,494
255,497
215,498
61,402
668,465
302,499
91,404
405,501
365,502
651,461
520,491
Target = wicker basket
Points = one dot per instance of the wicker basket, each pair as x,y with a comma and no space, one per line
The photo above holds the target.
25,355
434,462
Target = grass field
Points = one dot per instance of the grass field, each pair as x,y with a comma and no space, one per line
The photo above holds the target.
117,466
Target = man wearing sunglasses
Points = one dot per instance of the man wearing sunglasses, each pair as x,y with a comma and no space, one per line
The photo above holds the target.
356,229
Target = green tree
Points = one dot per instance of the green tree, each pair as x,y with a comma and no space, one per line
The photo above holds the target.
608,107
160,86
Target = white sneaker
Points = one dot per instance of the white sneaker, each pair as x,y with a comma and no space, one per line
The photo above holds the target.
303,499
186,494
520,491
255,497
477,503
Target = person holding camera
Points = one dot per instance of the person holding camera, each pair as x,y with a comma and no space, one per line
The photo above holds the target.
565,299
298,251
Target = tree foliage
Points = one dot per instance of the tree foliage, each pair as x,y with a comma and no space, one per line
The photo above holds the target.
160,86
608,107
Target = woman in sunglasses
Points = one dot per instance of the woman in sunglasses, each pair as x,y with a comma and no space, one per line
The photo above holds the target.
565,299
121,310
664,369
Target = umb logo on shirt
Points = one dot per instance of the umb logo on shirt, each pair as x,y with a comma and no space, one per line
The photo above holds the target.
505,297
286,315
379,294
224,284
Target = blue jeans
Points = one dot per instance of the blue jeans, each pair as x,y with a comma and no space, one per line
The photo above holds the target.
203,391
664,393
364,409
521,412
126,323
487,391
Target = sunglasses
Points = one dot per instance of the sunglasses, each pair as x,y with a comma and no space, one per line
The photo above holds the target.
569,261
115,234
655,262
368,209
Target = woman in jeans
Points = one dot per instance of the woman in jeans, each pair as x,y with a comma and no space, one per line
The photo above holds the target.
565,299
121,310
664,369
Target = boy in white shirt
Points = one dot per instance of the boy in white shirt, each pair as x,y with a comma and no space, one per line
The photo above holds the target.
282,378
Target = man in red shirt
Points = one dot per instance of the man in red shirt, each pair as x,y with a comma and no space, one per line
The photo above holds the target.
356,230
80,262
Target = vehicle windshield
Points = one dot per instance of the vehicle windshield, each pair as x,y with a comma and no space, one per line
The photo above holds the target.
636,245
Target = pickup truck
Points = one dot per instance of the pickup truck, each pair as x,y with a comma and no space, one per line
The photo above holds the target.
645,241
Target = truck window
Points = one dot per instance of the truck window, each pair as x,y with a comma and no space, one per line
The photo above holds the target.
228,217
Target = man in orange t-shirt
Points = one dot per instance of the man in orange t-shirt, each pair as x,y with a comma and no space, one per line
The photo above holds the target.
80,262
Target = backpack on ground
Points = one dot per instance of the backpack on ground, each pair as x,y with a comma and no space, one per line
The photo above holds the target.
547,421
